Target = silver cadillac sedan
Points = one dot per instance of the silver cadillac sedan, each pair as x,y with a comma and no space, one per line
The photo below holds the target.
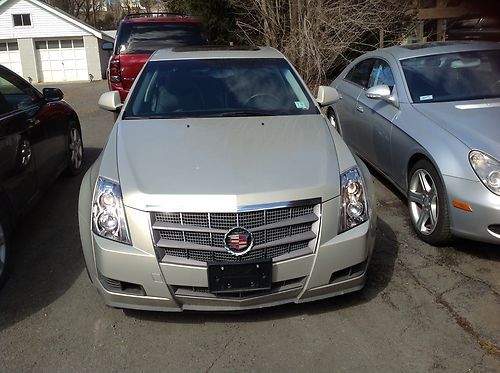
427,116
223,187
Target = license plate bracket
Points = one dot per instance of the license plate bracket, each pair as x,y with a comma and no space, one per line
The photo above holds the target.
237,277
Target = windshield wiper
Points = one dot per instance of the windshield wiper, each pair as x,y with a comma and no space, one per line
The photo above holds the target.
245,114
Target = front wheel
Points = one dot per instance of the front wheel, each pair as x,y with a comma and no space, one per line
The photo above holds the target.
4,253
75,149
427,204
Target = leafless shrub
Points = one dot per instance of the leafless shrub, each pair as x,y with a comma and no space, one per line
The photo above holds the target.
319,36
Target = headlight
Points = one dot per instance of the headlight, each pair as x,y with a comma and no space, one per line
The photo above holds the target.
108,215
487,169
353,206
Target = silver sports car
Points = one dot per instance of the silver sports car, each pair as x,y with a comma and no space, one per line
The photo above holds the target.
223,187
427,116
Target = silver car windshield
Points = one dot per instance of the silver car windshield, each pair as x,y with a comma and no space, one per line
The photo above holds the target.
471,75
218,88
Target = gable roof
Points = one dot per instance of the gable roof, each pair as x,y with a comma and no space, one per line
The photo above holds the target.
67,17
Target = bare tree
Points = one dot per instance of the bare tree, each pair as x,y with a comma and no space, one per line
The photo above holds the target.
87,10
318,36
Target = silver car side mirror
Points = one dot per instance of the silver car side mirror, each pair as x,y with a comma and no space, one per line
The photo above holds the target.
383,92
110,101
327,95
380,92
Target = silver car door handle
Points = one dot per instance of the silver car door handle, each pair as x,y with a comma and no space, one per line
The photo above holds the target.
360,108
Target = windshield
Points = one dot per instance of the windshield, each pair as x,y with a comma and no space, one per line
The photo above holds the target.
221,87
148,37
454,76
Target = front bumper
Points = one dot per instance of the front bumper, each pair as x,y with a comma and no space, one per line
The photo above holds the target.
337,266
483,222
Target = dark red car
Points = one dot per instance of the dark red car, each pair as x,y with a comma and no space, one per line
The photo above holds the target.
40,137
139,35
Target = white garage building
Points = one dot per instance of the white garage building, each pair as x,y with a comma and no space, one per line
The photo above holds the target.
44,44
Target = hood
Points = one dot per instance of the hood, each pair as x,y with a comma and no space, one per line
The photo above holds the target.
475,123
222,164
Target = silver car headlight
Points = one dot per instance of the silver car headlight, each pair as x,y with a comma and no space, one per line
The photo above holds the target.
353,204
108,214
487,169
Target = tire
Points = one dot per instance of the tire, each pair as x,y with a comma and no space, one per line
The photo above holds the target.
428,204
332,118
75,149
4,252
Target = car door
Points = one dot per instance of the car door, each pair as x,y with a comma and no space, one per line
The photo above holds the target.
48,119
350,88
376,117
19,142
52,116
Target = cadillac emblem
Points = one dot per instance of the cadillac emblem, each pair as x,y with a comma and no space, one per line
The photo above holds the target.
238,241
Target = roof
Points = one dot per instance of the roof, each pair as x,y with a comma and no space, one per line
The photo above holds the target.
214,52
110,33
427,49
160,17
68,17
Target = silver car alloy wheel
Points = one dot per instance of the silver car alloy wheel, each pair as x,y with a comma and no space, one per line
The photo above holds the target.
3,249
75,148
423,197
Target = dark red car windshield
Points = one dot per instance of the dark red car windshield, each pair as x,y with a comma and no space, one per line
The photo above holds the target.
147,37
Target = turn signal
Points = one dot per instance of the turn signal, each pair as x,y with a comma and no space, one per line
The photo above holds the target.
462,205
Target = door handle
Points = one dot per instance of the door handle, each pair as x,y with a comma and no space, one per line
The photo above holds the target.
32,122
360,108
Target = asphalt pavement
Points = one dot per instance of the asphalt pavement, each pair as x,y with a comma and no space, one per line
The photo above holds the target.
423,309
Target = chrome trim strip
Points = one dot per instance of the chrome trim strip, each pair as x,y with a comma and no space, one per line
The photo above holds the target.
478,106
306,236
276,205
303,219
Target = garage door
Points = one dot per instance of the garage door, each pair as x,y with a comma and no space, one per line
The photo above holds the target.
10,56
61,60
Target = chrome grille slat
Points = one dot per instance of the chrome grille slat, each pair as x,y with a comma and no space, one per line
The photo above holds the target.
199,237
162,243
288,240
159,225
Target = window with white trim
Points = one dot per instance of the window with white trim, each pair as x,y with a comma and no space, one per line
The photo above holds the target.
21,19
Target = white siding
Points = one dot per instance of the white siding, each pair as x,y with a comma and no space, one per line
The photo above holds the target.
43,23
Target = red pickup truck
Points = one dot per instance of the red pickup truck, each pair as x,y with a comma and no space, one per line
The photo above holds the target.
141,34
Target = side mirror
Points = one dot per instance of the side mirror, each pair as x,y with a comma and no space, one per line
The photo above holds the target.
379,92
110,101
107,46
383,92
327,95
53,94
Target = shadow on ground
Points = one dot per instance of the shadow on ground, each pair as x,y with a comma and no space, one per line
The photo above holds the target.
47,255
378,277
